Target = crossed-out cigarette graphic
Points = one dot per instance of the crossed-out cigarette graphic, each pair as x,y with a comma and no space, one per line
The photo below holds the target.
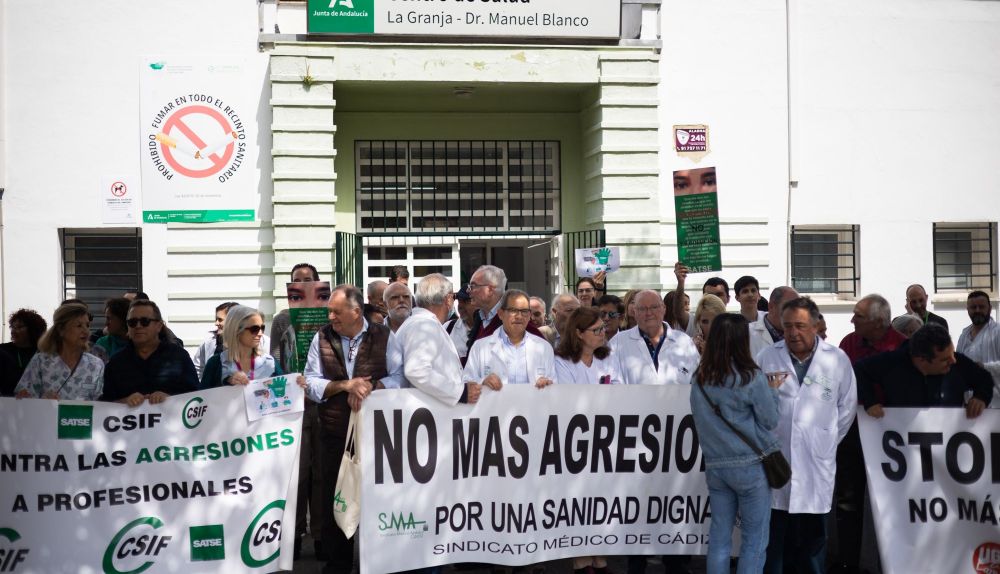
194,152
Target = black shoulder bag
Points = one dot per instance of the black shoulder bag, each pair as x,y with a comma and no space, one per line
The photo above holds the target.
776,467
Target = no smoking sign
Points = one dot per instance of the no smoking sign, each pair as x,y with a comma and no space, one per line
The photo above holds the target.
197,141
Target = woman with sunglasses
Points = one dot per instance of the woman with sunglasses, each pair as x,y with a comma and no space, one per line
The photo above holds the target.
511,355
242,359
150,367
729,380
63,369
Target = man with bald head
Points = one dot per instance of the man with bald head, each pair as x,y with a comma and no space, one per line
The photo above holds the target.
562,307
916,302
375,291
766,330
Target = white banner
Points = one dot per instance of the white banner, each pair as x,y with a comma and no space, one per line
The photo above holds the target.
934,486
529,475
187,485
198,139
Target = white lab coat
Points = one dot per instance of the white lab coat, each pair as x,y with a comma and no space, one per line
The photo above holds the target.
813,418
489,355
422,351
678,358
760,337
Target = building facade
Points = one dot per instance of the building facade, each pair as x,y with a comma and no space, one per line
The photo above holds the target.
833,128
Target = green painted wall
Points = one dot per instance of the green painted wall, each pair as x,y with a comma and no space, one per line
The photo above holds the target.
562,127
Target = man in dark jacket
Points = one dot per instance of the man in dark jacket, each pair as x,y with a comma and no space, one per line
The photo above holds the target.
346,359
150,367
924,371
486,288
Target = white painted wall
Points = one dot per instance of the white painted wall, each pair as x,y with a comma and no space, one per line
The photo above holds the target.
894,124
72,114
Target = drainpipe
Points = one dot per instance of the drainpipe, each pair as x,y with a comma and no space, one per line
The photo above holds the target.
792,182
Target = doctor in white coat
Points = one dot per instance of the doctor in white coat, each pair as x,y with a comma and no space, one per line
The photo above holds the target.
676,357
511,355
817,404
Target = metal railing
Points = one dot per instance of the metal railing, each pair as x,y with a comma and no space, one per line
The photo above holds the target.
825,259
964,256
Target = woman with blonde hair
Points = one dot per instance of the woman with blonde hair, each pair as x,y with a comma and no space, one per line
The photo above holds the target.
62,368
242,359
628,321
709,307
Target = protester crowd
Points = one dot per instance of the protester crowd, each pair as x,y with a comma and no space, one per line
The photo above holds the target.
768,381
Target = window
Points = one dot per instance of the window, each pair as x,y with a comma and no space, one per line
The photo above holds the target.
101,264
964,256
825,259
437,186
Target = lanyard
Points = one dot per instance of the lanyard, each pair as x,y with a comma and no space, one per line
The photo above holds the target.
240,367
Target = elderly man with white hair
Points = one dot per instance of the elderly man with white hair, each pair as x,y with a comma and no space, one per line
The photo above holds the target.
486,287
423,352
399,304
562,307
651,353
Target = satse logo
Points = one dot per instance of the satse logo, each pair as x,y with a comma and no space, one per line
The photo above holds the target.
207,543
135,547
11,557
986,558
75,421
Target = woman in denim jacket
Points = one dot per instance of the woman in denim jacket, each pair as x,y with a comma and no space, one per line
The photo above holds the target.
735,476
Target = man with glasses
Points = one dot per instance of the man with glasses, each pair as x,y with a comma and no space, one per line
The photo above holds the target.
346,359
651,353
486,288
612,311
149,367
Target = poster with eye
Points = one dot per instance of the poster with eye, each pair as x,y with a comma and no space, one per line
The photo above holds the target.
307,302
696,207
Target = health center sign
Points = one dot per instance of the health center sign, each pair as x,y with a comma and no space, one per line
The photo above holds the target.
197,140
468,18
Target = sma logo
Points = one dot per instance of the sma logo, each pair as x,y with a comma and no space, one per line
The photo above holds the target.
399,522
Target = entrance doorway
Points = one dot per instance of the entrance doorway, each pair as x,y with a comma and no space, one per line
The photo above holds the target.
526,262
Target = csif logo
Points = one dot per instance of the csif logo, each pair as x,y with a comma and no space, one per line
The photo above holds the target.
193,412
400,523
135,547
262,539
986,558
10,556
75,421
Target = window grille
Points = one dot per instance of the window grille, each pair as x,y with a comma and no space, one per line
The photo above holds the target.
964,256
99,264
457,186
825,259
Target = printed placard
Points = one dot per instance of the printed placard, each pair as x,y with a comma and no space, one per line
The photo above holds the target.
691,141
119,199
696,208
307,311
592,260
273,396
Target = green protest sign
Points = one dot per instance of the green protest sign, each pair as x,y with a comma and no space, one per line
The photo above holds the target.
696,206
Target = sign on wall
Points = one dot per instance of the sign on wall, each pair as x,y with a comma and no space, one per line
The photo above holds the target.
691,141
529,475
188,485
510,18
197,140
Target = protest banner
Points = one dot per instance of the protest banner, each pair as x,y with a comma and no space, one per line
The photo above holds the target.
307,313
186,485
528,475
696,208
592,260
933,478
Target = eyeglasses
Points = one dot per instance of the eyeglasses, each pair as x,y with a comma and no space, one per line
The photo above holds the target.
473,286
610,314
653,309
254,329
598,330
521,312
144,321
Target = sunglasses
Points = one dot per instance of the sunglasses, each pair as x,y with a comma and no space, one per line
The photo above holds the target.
136,321
610,314
255,329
